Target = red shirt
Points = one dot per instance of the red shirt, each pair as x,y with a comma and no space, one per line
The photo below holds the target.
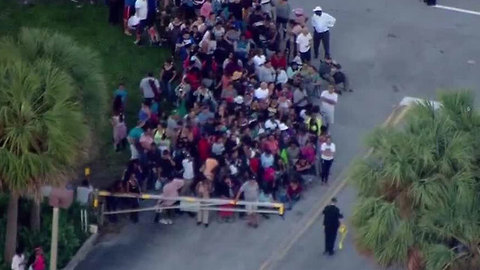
294,192
254,164
279,62
193,79
203,149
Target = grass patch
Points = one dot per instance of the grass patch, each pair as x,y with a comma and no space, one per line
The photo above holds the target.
122,61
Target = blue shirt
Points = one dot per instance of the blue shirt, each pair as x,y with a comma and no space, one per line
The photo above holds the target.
122,93
267,161
135,133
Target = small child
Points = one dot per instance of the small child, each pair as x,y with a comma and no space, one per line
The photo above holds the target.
122,93
153,35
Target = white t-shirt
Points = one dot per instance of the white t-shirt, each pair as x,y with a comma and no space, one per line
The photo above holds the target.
18,262
141,9
328,151
259,60
303,42
261,93
331,96
187,169
147,88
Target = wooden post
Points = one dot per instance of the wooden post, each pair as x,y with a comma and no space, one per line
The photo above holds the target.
54,244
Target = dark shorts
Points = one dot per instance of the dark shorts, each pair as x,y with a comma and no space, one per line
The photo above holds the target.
141,26
282,20
306,56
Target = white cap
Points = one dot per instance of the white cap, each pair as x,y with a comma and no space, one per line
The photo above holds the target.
317,8
283,127
238,99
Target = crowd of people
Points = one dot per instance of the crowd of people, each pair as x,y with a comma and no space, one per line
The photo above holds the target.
245,117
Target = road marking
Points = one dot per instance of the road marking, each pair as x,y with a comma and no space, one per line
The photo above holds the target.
394,118
472,12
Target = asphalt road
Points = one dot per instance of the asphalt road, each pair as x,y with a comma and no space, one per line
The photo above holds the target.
390,49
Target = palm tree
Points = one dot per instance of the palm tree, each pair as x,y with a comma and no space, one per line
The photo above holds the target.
80,63
419,190
42,129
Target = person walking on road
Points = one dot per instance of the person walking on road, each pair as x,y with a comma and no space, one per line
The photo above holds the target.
331,223
327,150
321,22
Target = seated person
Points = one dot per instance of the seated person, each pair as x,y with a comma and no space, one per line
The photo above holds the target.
302,166
331,71
294,191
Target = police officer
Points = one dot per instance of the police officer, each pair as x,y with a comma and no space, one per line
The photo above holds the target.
331,223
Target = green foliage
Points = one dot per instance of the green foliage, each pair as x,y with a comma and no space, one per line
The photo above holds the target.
70,235
41,123
121,61
420,188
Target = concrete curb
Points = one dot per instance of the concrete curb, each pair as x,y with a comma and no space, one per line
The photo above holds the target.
82,252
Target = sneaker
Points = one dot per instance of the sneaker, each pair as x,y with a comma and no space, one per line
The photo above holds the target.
136,42
163,221
126,32
169,221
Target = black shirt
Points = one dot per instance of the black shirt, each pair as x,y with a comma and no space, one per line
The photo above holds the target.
331,216
167,167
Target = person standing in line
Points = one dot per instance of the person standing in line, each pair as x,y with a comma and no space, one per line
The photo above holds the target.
304,43
282,10
321,22
133,187
188,174
128,11
203,190
327,150
329,99
149,86
18,260
331,223
251,193
141,11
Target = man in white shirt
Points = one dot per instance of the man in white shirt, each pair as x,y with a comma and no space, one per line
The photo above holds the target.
259,59
149,87
304,43
261,93
321,22
329,99
141,11
327,150
188,174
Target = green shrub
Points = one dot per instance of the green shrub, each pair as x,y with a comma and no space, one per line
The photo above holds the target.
70,234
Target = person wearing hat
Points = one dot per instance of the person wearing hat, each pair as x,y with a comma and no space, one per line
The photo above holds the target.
321,22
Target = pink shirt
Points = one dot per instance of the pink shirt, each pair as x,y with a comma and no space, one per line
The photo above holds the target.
309,154
171,190
206,9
